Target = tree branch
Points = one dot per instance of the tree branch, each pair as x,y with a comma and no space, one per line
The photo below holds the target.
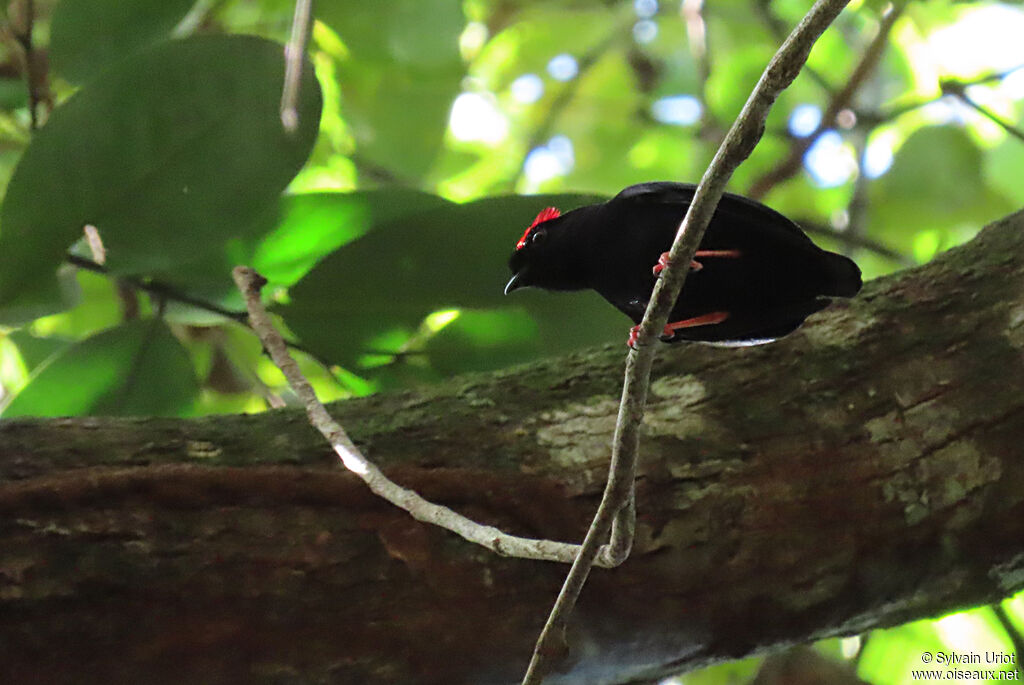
959,90
250,283
896,111
158,289
788,167
863,472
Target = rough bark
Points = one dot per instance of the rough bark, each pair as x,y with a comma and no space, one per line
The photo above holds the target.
863,472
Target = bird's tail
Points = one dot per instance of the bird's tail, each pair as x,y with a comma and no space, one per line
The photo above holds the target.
843,279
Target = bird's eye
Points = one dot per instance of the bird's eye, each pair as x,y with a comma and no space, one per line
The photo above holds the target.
537,237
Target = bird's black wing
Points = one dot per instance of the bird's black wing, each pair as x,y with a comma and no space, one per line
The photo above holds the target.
733,208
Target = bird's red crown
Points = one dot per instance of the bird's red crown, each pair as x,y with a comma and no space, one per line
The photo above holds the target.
546,214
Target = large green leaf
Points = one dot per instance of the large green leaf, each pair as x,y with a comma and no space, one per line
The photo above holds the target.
936,183
35,350
373,294
138,368
169,155
1005,168
483,340
87,36
311,226
401,78
285,242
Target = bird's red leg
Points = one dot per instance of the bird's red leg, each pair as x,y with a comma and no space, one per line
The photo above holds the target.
703,320
706,319
718,253
694,265
671,328
663,262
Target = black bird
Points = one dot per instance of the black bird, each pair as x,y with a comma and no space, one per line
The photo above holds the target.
755,278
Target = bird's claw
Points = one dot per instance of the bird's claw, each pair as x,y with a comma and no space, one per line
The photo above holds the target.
663,262
634,334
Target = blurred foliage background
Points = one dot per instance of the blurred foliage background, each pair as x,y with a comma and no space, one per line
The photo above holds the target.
430,134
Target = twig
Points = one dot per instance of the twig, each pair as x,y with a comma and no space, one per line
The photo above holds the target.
777,28
373,172
853,239
167,293
128,294
249,283
160,290
294,52
948,87
839,101
22,21
736,147
697,39
959,91
858,208
895,111
95,243
1012,632
197,18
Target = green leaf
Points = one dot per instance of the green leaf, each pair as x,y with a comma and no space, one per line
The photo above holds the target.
1005,167
311,226
169,155
404,72
921,167
138,368
483,341
13,94
374,293
897,650
285,243
87,36
35,350
935,184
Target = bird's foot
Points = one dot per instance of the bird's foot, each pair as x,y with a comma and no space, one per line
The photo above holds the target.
634,333
695,265
671,328
663,262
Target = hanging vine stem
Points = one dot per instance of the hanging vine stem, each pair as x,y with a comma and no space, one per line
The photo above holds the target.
249,284
617,502
293,54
